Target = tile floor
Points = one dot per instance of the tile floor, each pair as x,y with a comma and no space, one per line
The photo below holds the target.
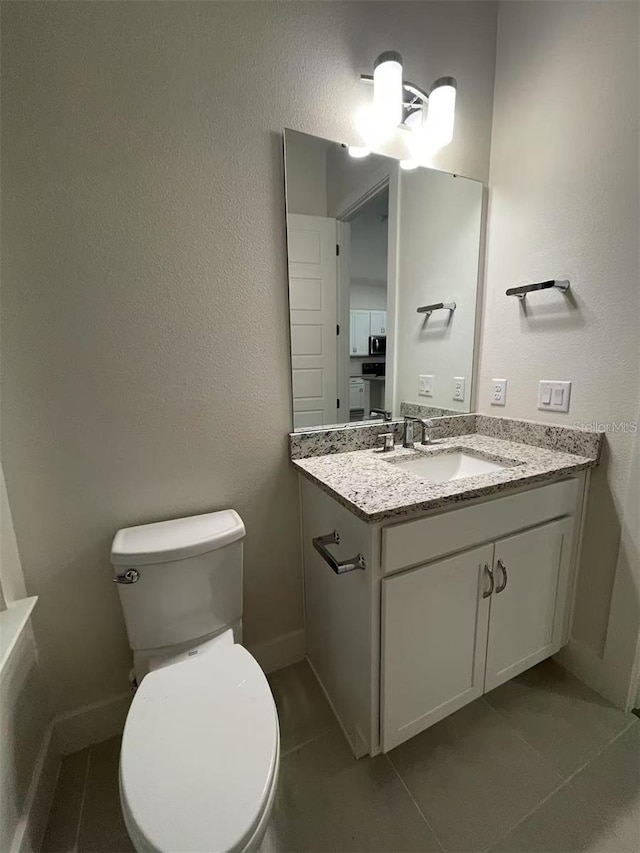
540,765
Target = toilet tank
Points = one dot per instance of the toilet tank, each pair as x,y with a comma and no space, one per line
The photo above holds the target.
181,579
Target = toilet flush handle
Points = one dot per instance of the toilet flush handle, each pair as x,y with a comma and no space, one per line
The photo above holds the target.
130,576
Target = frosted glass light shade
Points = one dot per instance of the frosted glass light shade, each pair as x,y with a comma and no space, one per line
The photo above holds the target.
358,152
371,128
441,112
387,88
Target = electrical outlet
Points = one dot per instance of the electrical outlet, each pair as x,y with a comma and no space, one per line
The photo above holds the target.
426,385
554,396
498,392
458,387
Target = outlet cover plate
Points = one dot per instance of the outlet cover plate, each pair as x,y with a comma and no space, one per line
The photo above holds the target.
498,392
458,388
425,388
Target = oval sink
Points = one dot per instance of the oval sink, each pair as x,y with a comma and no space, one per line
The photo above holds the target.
449,466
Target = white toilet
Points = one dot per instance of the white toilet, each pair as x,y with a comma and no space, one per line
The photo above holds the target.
201,745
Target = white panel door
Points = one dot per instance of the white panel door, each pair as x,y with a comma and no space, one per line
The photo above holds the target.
528,604
360,331
314,316
378,323
434,641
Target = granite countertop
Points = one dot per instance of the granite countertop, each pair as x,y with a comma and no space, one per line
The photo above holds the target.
376,488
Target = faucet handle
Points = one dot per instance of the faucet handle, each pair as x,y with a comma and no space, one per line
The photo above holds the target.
427,424
386,440
407,432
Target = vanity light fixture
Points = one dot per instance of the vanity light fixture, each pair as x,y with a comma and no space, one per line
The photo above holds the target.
388,89
427,119
358,152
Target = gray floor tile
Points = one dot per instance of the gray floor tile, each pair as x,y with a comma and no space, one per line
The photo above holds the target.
303,710
473,777
565,823
121,844
62,828
560,716
102,816
328,801
610,784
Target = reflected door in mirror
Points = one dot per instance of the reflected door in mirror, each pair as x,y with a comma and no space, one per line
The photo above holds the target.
313,315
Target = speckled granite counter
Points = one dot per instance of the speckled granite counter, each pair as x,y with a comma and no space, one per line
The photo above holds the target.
376,488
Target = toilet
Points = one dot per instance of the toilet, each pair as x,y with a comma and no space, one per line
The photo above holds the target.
201,744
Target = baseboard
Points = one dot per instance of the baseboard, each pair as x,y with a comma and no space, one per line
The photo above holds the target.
102,720
30,831
91,723
280,652
588,667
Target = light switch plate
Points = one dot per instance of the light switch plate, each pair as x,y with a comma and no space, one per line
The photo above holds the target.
553,395
425,388
498,392
458,387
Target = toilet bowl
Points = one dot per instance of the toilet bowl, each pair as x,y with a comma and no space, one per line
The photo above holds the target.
200,752
201,745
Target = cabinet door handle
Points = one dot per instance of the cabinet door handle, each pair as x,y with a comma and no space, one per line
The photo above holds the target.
340,568
503,569
489,571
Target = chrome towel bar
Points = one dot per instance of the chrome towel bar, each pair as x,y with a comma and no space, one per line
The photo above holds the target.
427,309
562,285
340,568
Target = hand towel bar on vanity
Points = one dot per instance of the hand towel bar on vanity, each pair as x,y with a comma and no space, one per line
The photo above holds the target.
450,586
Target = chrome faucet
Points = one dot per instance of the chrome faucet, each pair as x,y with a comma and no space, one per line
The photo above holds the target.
427,424
408,437
386,416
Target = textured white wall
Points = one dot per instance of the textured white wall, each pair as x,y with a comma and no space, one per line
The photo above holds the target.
145,329
438,258
368,297
368,247
564,204
306,174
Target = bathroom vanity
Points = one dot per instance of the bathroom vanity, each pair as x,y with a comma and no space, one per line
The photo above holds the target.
434,574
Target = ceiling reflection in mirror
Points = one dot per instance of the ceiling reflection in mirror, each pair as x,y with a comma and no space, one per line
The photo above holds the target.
383,279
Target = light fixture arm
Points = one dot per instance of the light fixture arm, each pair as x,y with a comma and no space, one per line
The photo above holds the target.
415,91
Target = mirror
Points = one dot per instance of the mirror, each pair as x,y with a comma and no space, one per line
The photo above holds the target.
383,281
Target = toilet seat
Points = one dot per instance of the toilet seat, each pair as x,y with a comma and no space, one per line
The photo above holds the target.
200,752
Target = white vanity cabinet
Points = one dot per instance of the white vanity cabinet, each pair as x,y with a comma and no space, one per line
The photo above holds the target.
456,628
434,623
450,605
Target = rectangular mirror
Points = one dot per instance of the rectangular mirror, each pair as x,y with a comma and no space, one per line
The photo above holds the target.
383,281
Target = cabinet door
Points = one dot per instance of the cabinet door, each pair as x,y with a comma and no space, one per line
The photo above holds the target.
356,395
531,572
360,331
378,323
434,642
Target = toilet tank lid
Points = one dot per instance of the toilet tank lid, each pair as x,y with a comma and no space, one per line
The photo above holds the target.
165,541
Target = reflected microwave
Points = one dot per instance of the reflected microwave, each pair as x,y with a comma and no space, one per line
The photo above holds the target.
377,344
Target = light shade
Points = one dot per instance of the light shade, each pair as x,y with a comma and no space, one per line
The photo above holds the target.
358,152
387,88
441,112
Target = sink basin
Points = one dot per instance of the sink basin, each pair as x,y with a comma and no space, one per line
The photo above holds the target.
441,467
